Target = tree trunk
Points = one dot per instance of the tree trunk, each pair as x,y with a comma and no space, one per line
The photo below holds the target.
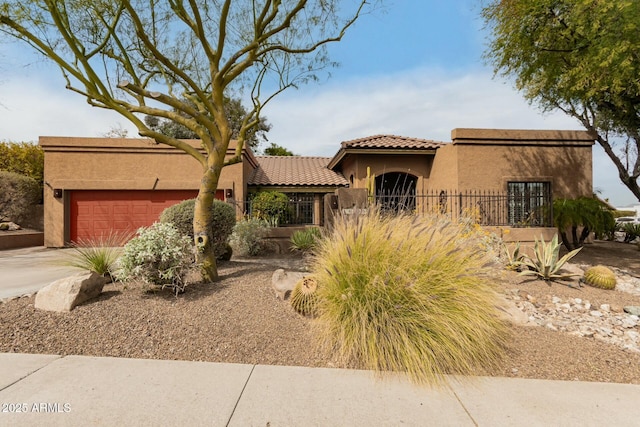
202,225
574,235
630,181
583,236
565,240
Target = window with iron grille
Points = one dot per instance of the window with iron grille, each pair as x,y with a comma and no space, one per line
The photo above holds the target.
301,207
528,203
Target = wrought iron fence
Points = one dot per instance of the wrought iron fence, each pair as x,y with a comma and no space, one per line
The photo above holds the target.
524,209
299,211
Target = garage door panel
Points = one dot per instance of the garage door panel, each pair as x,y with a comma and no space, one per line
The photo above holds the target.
101,209
98,213
139,210
121,209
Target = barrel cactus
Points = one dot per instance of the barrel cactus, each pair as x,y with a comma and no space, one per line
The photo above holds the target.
600,277
304,298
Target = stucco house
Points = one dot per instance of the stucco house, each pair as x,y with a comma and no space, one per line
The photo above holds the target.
93,185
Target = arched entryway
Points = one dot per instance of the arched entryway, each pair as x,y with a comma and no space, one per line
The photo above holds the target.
396,191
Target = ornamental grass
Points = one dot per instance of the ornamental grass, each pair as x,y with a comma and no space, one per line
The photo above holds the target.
407,294
97,254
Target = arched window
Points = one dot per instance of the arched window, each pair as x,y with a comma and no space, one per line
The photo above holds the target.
396,191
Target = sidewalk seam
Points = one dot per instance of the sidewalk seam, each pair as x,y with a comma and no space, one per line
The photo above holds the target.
464,407
30,373
240,396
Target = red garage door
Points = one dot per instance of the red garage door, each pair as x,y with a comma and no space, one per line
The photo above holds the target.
98,213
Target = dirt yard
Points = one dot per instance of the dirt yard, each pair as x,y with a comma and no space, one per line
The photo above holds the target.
239,320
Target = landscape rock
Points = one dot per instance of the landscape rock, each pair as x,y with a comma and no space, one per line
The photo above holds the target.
9,226
574,316
66,293
632,309
283,282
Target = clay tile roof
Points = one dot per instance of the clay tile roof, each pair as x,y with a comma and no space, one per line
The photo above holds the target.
295,170
391,141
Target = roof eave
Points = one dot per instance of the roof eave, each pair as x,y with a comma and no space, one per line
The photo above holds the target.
343,152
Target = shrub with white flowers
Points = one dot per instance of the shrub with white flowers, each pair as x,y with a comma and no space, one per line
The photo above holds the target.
159,255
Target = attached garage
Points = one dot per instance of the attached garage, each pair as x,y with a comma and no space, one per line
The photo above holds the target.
98,186
98,213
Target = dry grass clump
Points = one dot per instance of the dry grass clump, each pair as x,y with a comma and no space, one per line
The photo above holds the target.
406,293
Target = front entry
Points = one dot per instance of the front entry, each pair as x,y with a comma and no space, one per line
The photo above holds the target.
396,191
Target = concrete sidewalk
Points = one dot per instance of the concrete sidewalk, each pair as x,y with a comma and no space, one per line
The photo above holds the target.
38,390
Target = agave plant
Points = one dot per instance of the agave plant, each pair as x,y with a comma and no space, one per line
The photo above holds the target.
513,258
546,263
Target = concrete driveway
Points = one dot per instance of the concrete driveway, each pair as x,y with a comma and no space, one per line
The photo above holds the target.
27,270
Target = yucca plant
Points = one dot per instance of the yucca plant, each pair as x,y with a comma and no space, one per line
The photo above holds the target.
546,262
97,254
631,232
406,293
305,240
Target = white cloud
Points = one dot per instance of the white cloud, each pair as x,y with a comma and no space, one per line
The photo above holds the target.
419,103
32,107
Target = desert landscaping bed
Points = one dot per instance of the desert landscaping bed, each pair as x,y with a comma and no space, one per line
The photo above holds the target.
239,320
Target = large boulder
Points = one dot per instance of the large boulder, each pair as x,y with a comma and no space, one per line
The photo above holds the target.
68,292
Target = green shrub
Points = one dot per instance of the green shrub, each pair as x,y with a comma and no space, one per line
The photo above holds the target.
224,218
181,216
631,232
546,262
98,255
159,255
619,213
19,195
271,206
407,293
248,237
305,240
24,159
577,218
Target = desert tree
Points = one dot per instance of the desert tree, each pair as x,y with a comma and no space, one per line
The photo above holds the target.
236,112
277,150
179,60
581,57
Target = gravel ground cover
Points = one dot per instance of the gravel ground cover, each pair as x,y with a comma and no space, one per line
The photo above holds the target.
239,320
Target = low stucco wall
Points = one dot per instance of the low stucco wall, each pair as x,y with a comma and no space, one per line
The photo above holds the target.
526,236
279,238
21,239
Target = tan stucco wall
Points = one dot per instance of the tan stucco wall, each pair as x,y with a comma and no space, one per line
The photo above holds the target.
487,159
444,173
121,164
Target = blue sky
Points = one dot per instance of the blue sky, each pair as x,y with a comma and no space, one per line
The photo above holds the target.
413,69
